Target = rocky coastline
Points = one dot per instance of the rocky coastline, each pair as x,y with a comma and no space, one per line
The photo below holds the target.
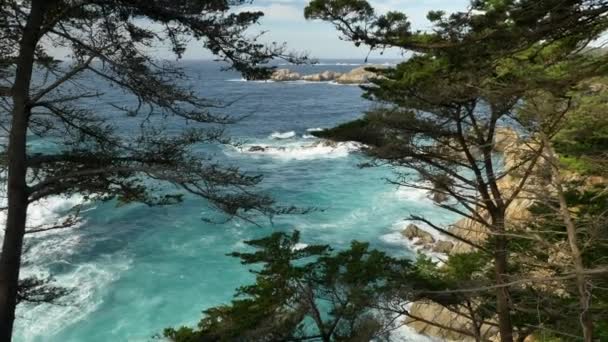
360,75
508,143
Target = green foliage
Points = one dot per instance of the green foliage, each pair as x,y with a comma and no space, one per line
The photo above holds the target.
583,141
357,9
304,292
39,290
465,266
360,20
588,206
376,129
505,63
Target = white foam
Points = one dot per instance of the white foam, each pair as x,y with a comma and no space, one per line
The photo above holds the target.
283,135
299,246
402,224
396,238
251,81
327,64
316,129
308,136
405,193
299,151
347,84
86,281
47,211
39,321
406,333
305,82
273,81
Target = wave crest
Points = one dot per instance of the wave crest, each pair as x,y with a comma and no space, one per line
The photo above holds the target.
282,135
299,151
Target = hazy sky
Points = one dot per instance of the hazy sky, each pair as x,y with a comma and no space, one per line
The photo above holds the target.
284,21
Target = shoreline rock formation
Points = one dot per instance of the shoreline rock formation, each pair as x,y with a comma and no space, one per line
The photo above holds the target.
509,144
425,240
358,75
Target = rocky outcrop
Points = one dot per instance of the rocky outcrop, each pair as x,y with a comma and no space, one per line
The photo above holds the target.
505,139
322,77
281,75
256,149
425,240
413,232
446,320
358,75
322,143
444,247
510,145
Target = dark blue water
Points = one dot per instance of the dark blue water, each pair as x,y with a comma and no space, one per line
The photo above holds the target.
136,270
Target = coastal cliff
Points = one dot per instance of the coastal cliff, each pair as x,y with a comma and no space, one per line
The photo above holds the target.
438,321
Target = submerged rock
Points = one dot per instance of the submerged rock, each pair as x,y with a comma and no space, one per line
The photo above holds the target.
256,149
325,143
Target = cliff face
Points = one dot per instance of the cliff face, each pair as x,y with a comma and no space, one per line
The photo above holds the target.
513,150
508,143
443,317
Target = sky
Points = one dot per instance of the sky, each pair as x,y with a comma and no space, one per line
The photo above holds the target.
284,21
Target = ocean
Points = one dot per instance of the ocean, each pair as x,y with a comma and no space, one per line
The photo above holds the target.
135,270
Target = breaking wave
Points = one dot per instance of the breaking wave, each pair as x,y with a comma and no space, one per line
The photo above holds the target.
302,151
50,255
282,135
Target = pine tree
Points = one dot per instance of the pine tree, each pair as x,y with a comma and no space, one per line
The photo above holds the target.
109,41
440,111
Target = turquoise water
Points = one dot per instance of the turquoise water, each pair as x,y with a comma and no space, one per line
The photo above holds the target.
135,270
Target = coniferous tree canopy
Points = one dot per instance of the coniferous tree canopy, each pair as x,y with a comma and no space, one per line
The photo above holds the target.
516,64
441,111
503,64
315,293
111,42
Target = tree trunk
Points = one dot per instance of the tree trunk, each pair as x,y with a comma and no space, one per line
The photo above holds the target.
579,268
503,309
476,324
10,260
